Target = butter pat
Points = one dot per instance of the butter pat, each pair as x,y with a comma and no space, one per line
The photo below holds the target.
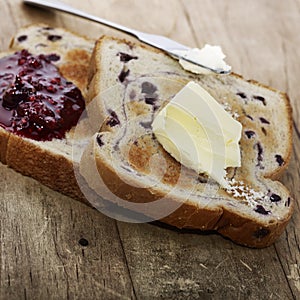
209,56
195,129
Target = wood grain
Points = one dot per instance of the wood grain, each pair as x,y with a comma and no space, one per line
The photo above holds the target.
53,247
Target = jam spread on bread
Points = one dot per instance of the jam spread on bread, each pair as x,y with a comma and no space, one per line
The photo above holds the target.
35,100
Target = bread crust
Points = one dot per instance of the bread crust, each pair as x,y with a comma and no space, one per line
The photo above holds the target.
51,169
4,136
239,228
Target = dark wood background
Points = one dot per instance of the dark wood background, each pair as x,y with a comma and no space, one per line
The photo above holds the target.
53,247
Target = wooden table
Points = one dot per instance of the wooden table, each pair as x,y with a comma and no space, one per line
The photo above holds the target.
53,247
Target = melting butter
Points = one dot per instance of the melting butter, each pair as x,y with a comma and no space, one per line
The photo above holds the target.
195,129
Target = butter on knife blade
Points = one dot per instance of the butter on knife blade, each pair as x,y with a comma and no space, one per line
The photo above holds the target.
209,56
195,129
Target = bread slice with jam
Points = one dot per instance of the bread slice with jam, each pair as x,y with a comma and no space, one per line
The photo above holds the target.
43,66
128,85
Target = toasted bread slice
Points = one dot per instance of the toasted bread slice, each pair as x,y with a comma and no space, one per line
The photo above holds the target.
128,84
50,162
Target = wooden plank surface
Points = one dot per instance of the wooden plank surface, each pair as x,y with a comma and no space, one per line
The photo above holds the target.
53,247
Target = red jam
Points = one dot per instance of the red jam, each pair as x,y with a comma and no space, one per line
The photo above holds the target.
35,100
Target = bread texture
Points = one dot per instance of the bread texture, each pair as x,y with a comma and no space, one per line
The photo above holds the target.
128,85
50,162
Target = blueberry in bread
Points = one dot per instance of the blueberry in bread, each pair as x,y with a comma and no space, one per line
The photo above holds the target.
43,80
128,85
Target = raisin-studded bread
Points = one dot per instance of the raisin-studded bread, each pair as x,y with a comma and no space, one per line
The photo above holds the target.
128,84
50,162
73,51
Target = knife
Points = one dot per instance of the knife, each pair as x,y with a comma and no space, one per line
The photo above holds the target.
170,46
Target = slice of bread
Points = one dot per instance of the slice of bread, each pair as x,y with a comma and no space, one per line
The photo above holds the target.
50,162
128,84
